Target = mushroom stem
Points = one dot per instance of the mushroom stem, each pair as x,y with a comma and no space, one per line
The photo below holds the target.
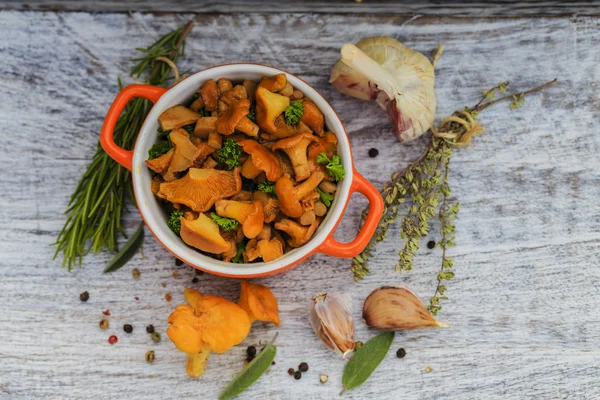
196,362
355,58
309,184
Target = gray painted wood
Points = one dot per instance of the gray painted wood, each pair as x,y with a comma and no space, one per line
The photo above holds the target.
469,8
523,303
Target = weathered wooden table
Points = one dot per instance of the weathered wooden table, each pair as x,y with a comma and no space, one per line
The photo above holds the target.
523,305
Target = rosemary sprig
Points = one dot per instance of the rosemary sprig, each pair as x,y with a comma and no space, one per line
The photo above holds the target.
97,204
423,185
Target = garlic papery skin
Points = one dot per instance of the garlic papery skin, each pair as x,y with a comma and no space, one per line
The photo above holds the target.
331,319
399,79
397,308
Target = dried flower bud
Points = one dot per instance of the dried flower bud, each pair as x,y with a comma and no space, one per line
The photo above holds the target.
397,308
331,319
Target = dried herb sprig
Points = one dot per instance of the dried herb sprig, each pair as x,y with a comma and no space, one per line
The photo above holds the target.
424,185
97,204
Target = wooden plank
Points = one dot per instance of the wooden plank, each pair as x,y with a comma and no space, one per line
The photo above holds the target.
498,8
521,306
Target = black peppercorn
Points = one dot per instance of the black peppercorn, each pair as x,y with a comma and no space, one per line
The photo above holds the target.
291,371
273,363
250,358
178,262
195,280
155,336
251,351
84,296
297,375
150,328
373,152
128,328
303,367
400,353
431,244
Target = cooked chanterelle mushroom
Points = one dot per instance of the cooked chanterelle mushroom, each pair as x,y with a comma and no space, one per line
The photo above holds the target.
245,170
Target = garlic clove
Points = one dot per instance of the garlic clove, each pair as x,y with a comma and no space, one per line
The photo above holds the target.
400,79
397,308
331,319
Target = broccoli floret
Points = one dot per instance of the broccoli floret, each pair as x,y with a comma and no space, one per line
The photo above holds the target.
229,154
267,187
174,223
252,114
326,198
239,258
227,224
294,112
334,166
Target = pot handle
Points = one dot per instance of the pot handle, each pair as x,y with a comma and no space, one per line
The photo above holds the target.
346,250
120,155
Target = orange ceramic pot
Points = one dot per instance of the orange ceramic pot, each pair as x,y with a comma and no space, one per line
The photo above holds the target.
154,216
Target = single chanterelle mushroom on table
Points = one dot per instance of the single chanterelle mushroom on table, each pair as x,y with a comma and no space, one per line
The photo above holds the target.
262,159
295,148
299,234
209,323
259,303
203,233
269,106
184,156
400,80
290,196
201,188
251,216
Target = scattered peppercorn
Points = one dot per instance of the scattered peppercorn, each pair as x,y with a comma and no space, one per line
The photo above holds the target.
135,273
175,274
251,351
195,280
303,367
273,363
373,152
103,323
297,375
428,369
323,378
128,328
113,339
178,262
163,284
150,329
137,298
107,312
400,353
85,296
150,356
168,297
155,337
291,371
431,244
357,345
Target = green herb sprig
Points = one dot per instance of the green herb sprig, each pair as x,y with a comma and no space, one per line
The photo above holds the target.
229,154
423,185
174,221
97,204
227,224
333,166
266,186
294,112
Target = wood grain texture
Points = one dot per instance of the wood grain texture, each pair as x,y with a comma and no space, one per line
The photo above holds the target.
468,8
522,305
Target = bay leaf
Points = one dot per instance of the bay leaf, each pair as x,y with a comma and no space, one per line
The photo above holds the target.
250,374
365,360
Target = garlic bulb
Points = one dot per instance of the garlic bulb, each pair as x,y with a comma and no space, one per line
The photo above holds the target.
397,308
331,319
400,79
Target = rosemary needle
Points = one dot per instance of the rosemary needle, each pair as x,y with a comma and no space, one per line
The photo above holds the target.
96,206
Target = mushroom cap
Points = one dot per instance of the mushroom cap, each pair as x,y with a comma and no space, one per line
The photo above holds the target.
289,196
259,303
312,116
184,156
176,117
229,119
209,93
192,296
295,148
203,233
251,216
213,322
299,234
273,83
326,144
269,106
270,249
262,158
271,208
201,188
160,164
